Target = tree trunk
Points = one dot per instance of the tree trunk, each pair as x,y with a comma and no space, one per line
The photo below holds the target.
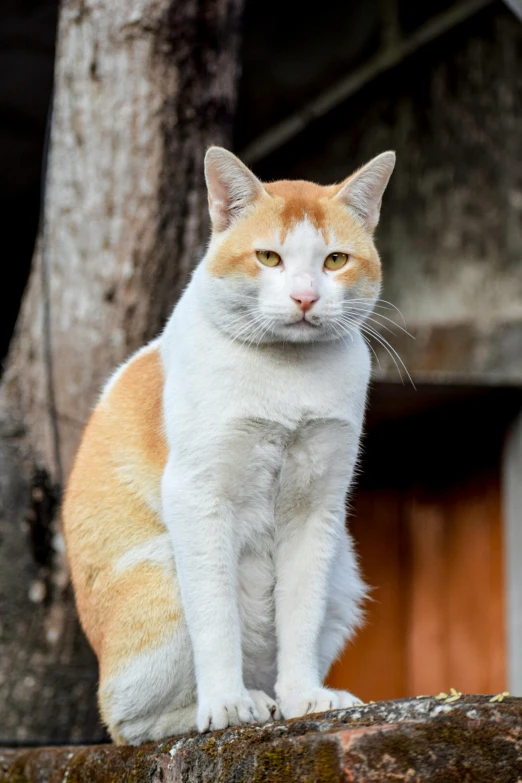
142,88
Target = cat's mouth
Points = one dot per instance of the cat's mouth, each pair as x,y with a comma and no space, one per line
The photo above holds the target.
302,323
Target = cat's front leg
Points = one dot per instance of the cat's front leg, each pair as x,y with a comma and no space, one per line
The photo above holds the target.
201,530
305,555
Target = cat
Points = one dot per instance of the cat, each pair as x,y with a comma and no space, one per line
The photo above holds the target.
205,512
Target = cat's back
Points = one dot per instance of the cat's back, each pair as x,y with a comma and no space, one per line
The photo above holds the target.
113,499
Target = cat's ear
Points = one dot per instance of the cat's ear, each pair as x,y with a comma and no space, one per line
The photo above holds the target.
231,187
363,191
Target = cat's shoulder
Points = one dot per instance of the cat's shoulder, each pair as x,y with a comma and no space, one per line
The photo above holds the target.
142,372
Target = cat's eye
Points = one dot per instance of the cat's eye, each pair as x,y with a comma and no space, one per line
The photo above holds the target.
268,257
336,261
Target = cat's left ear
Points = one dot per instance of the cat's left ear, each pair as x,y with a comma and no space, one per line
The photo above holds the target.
231,187
363,191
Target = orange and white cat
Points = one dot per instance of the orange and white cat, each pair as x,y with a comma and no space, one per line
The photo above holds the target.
205,513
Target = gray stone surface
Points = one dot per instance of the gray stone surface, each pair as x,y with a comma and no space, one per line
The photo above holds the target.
424,739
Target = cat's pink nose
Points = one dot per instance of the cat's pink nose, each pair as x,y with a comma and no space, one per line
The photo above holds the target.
305,301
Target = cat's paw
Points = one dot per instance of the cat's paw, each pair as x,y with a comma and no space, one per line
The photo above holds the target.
266,707
346,700
316,700
226,709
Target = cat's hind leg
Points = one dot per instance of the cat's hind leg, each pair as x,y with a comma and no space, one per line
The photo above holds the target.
135,731
147,681
153,695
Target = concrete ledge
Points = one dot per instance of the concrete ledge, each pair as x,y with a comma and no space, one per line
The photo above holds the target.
414,740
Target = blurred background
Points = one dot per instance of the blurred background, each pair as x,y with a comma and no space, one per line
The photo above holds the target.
437,509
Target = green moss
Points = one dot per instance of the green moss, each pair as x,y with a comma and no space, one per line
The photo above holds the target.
316,761
459,750
446,748
15,772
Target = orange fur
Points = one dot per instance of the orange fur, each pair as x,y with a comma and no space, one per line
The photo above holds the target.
235,254
291,202
110,506
298,200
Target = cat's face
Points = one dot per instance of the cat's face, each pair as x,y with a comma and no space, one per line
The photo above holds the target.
291,261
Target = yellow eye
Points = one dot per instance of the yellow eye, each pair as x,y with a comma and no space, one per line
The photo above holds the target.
268,257
336,260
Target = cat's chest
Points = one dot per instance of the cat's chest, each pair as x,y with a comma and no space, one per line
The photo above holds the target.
230,385
268,471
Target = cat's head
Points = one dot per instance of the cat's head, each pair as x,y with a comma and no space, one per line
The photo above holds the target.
291,260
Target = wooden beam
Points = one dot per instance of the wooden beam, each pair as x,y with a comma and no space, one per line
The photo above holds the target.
327,100
516,7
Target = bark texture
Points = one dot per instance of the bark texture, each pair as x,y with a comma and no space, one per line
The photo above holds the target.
142,88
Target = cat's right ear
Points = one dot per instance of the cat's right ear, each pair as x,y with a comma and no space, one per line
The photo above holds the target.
231,187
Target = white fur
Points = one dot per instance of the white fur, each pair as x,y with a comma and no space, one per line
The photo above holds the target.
155,550
263,435
263,441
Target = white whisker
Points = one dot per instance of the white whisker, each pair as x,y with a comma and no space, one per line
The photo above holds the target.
390,349
379,315
255,319
374,304
370,331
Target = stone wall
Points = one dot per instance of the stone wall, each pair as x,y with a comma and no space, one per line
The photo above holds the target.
451,228
449,740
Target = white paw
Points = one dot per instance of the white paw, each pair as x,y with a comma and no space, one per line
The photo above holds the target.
316,700
266,707
346,700
226,709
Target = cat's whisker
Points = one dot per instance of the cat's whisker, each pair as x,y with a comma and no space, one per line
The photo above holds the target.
242,334
245,321
374,303
340,333
349,334
369,318
370,331
372,349
254,320
394,307
353,313
375,337
228,324
368,343
235,316
370,302
245,296
261,331
390,320
349,326
258,330
390,349
268,327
